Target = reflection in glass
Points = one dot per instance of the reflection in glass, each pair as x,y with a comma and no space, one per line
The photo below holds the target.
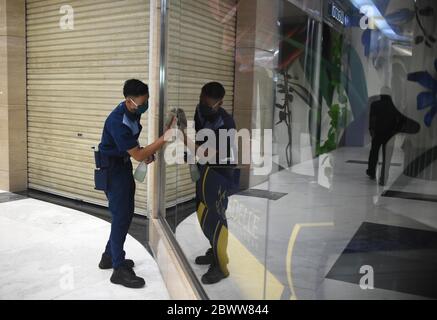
346,93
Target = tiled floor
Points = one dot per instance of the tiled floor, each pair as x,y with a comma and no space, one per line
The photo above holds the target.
293,246
402,259
51,252
284,248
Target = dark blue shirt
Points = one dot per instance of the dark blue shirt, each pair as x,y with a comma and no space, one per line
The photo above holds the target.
120,133
223,120
226,167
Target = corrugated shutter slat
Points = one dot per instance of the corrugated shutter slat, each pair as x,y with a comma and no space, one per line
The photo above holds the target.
74,81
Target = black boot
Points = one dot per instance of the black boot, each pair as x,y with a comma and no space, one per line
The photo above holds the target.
214,275
106,262
127,277
371,175
208,258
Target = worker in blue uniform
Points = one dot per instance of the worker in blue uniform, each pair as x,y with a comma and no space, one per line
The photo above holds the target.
219,178
114,175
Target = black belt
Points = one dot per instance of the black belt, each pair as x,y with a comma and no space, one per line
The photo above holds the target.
119,160
103,162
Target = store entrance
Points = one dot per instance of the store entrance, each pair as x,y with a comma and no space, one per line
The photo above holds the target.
296,121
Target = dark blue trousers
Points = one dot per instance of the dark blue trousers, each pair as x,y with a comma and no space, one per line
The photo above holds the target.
121,198
212,190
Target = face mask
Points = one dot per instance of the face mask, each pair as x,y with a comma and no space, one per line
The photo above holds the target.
141,108
206,111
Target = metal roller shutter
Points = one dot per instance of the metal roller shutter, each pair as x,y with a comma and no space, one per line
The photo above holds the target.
74,80
201,48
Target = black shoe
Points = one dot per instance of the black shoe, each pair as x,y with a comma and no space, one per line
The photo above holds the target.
214,275
127,277
106,262
208,258
371,175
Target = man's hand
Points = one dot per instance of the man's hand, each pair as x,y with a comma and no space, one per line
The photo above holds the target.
171,121
150,159
181,118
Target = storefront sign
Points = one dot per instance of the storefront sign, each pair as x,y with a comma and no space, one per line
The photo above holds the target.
338,14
